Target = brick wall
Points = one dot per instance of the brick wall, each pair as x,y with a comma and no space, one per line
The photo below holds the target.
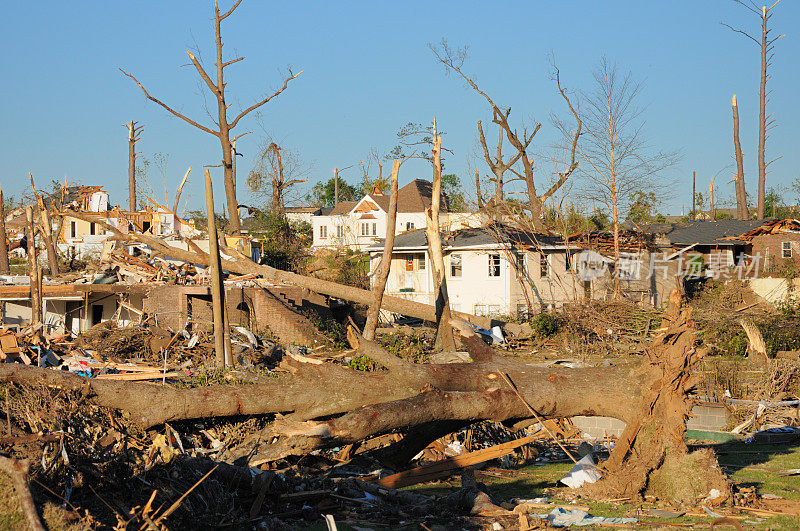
769,246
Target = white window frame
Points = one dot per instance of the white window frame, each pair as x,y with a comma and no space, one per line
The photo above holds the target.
786,246
544,265
323,232
409,225
493,263
374,228
339,231
420,262
453,265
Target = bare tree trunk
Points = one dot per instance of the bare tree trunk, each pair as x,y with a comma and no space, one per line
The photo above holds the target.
47,233
762,116
33,268
225,126
386,260
277,181
478,188
18,470
179,191
5,268
217,291
47,229
444,332
742,210
133,137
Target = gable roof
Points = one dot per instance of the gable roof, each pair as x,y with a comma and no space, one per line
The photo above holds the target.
414,197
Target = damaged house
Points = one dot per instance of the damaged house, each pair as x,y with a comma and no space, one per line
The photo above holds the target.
500,271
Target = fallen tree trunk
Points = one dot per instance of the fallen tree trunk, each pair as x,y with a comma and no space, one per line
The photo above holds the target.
320,405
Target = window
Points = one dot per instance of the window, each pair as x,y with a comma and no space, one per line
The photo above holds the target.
365,229
374,229
544,266
494,265
409,225
480,309
92,228
73,229
421,262
519,262
323,231
339,231
786,249
455,265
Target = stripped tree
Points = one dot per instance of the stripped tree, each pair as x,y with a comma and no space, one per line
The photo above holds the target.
444,332
742,211
453,59
5,269
379,285
133,137
766,45
224,124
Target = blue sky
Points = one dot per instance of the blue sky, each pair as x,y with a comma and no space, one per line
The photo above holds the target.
368,71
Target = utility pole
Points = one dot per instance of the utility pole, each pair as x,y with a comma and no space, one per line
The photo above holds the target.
335,186
694,181
711,194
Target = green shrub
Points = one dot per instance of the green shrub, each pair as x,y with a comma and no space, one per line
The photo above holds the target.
545,324
362,363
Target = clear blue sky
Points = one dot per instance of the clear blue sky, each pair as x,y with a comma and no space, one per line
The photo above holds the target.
367,71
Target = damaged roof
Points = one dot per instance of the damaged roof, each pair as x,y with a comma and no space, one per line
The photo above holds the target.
723,232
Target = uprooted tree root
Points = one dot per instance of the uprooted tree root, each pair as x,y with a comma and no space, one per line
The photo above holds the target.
651,455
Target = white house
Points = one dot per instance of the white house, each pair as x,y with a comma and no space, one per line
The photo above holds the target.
359,224
494,271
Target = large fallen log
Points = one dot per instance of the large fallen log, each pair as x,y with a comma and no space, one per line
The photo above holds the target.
321,405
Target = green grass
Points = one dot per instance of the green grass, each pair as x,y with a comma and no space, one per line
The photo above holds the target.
536,481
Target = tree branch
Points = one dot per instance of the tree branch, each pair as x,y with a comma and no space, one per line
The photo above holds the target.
170,109
265,100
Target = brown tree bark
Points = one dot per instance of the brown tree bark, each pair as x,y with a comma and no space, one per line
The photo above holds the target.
742,210
386,259
223,122
133,137
18,470
46,230
217,291
444,332
33,268
5,268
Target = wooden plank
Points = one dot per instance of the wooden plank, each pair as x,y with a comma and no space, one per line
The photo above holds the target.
138,376
445,468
